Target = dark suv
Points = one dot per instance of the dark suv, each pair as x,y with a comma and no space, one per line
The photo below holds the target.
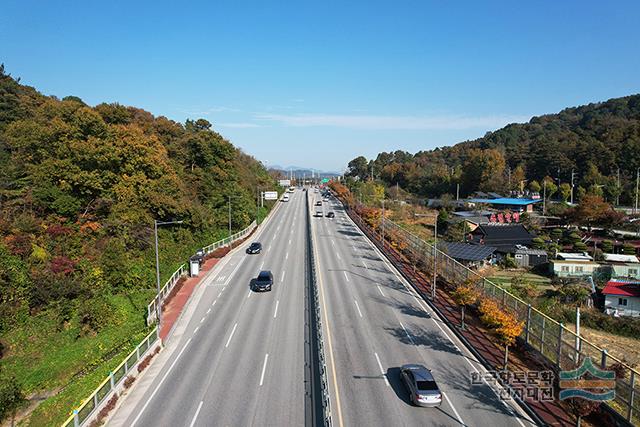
254,248
331,215
263,282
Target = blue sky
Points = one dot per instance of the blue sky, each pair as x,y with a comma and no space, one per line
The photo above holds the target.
317,83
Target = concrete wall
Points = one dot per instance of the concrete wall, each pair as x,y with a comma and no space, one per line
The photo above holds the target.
611,304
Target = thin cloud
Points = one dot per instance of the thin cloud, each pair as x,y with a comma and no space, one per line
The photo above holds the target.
238,125
212,110
374,122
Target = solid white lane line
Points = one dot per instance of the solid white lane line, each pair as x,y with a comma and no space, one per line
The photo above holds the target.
166,374
282,277
382,370
407,332
264,367
345,276
249,293
358,307
286,256
209,311
275,313
193,421
380,289
231,336
454,409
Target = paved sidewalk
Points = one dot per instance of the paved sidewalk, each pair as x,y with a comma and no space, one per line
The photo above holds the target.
550,412
172,308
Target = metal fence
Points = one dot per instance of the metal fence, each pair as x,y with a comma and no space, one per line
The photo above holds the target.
558,344
326,400
182,270
104,391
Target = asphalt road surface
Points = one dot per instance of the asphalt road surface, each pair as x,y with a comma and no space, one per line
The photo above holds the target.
375,324
236,357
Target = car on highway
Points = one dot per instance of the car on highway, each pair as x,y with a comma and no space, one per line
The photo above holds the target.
331,215
319,213
254,248
285,198
423,389
319,203
263,282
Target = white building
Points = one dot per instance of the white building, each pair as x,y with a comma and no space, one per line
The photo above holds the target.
623,266
622,298
573,265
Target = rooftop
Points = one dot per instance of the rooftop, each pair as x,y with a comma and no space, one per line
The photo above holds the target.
622,288
620,258
570,256
468,252
506,201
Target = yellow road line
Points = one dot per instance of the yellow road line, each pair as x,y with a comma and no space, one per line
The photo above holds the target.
326,321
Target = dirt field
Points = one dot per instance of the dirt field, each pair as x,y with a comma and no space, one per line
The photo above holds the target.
617,346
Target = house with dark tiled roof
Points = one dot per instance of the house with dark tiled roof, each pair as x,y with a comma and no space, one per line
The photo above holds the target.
473,256
509,239
622,297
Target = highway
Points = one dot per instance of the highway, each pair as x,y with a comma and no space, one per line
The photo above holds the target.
235,357
374,324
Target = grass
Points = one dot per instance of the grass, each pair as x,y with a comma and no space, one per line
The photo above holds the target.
46,356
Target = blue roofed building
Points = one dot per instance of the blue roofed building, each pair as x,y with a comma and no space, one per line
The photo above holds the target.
510,203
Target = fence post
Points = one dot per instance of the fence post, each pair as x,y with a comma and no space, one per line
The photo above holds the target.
112,380
76,421
559,351
632,394
528,324
137,352
95,401
603,359
542,336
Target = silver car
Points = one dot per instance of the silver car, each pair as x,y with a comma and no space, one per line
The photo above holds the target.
423,389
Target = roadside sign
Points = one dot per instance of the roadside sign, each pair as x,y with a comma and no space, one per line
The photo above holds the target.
325,180
285,182
271,195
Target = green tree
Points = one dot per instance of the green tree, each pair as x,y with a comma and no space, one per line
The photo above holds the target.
565,191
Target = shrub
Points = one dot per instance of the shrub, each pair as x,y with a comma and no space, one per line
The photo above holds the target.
11,397
128,382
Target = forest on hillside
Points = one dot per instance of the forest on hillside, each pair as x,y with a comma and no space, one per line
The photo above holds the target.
80,188
599,143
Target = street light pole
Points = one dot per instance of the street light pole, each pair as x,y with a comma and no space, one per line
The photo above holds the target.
637,181
158,302
382,223
435,258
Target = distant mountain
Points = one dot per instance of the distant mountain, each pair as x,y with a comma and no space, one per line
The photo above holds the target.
300,172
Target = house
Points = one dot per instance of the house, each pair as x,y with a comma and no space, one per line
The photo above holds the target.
622,298
573,265
472,219
473,256
527,257
623,266
509,203
503,237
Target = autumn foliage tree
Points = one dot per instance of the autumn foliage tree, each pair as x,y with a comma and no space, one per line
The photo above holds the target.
464,294
503,323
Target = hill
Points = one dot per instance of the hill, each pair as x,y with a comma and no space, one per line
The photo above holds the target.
593,140
80,188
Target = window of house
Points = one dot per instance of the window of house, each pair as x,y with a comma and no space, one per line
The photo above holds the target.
579,269
565,268
518,256
633,272
622,301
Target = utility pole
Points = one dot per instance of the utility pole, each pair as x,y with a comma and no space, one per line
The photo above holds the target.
637,181
371,177
572,185
435,258
158,302
618,190
509,179
382,223
544,197
458,191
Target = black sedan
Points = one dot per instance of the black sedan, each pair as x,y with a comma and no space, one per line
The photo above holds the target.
263,282
254,248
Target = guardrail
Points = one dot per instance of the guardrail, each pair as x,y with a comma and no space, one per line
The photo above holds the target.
105,390
559,345
182,270
322,365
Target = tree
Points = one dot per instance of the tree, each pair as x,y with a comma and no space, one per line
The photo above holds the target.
590,210
518,178
358,167
551,187
535,186
565,191
483,170
464,294
607,246
581,408
508,330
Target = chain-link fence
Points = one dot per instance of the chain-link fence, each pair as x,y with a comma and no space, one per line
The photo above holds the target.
104,391
182,270
559,345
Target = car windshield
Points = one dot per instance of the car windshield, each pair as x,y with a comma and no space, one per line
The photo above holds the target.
263,276
255,245
427,385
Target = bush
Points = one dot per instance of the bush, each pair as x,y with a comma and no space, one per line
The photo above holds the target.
11,397
97,312
128,382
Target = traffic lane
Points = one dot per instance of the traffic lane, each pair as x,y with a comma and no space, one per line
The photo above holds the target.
285,368
182,367
390,404
410,336
418,328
